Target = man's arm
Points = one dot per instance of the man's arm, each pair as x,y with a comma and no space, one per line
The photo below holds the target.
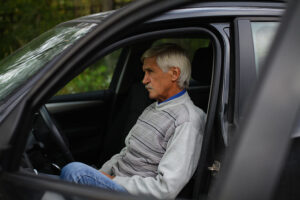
106,167
109,176
175,168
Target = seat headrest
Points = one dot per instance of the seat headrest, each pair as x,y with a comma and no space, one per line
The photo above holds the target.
202,65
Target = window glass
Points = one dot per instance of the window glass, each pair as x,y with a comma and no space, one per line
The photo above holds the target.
189,44
96,77
263,34
16,69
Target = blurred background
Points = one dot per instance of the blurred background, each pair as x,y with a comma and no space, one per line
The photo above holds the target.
23,20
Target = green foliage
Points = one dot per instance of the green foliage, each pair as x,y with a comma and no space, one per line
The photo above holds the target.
89,80
23,20
96,77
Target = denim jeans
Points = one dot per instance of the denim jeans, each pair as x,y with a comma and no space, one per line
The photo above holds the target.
77,172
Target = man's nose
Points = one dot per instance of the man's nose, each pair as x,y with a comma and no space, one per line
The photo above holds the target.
145,79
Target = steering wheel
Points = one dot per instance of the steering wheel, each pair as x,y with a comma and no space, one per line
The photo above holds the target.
57,135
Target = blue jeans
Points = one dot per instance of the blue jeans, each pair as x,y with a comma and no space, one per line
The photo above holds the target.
77,172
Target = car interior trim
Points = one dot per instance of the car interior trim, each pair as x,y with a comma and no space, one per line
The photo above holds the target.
67,106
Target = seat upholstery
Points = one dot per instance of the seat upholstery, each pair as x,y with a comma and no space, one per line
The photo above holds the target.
202,65
201,77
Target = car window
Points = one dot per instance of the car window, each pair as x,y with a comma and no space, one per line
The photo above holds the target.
24,63
263,34
96,77
189,44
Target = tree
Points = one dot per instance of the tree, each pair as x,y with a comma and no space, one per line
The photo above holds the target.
107,5
21,21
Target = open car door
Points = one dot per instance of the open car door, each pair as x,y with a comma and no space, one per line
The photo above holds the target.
266,138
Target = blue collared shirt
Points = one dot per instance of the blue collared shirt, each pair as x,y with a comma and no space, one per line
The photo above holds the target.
174,96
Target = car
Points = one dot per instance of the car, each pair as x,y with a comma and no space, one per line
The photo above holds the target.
73,94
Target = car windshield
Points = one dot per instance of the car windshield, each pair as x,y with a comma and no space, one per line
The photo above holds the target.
20,66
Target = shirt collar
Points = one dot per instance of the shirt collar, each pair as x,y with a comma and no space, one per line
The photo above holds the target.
174,96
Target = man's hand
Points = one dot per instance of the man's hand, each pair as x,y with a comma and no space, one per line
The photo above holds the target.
109,176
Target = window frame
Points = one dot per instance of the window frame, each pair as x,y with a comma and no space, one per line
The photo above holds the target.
245,66
213,97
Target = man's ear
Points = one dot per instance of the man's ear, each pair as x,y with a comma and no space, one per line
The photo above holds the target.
175,73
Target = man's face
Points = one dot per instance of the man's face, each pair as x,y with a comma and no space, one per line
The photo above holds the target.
158,83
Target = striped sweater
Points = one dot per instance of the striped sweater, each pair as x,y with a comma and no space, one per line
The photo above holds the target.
162,149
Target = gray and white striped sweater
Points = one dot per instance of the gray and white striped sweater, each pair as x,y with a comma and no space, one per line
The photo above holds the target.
162,149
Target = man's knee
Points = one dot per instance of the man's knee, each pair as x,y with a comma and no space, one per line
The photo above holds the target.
71,171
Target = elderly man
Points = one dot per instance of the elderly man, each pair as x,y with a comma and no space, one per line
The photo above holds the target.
163,147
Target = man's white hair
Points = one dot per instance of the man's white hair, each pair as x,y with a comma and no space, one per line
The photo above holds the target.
171,55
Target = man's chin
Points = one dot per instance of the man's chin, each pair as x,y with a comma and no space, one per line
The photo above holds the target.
152,96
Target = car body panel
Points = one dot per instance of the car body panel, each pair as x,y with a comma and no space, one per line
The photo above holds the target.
222,21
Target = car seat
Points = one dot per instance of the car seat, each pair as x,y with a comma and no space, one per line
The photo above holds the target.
199,90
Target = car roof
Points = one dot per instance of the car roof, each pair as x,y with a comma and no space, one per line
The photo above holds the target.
207,9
